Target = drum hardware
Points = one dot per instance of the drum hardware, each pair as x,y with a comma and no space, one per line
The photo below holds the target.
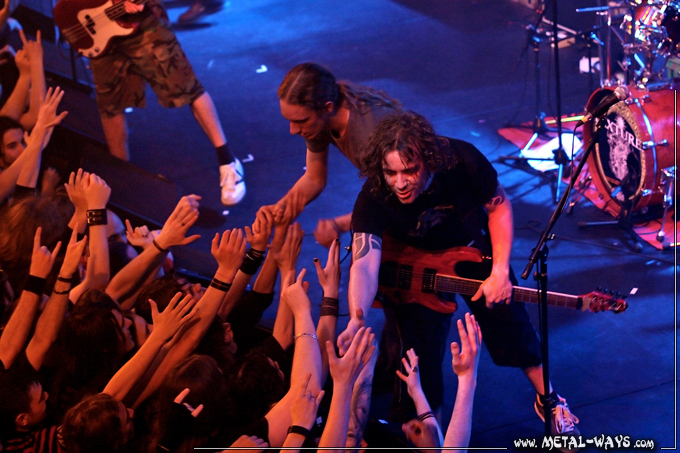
668,185
650,144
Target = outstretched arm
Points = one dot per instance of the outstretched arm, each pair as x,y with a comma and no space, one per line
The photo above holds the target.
465,363
34,50
306,189
363,284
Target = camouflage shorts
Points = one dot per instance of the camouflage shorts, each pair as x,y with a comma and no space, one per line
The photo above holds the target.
153,56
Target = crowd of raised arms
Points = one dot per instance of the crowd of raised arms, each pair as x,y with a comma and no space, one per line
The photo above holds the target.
104,348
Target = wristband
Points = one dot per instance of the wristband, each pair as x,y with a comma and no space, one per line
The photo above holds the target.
64,279
97,217
252,261
160,249
35,285
329,306
305,334
297,429
220,285
425,416
61,293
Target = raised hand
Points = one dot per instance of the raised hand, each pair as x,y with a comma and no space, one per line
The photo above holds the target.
466,356
33,49
96,191
412,376
258,236
23,62
75,188
286,258
177,225
47,115
346,369
305,405
42,259
175,315
139,236
295,295
74,251
229,251
355,323
329,276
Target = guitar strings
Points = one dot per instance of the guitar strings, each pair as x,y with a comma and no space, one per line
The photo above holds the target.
79,31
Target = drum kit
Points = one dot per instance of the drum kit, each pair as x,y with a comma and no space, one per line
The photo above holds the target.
633,163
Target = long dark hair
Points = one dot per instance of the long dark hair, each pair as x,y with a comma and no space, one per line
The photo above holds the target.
413,137
312,85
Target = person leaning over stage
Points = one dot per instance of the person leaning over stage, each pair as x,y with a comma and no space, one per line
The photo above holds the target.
436,193
153,55
324,111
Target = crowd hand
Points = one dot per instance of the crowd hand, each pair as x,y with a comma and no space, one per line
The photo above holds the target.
249,444
286,258
495,289
305,405
175,315
96,191
466,356
139,236
229,251
33,49
412,376
355,323
258,235
289,207
76,190
329,276
179,399
133,8
47,115
74,251
347,368
295,295
42,259
326,232
23,62
176,226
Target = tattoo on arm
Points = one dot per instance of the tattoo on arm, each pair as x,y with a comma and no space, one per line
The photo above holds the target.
498,198
364,242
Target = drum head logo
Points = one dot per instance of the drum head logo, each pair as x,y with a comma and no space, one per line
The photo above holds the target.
621,141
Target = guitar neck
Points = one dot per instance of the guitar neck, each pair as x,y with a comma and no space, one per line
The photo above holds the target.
468,287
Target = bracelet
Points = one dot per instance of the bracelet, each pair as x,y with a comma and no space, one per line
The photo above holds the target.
305,334
252,261
425,416
329,306
297,429
160,249
97,217
61,293
220,285
35,285
64,279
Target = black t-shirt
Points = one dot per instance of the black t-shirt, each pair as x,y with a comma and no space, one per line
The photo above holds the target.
449,214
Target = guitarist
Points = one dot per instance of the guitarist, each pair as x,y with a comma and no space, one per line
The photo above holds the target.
435,193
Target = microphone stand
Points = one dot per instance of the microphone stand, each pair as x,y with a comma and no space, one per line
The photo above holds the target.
539,255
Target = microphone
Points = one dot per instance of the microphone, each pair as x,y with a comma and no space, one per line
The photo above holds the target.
619,94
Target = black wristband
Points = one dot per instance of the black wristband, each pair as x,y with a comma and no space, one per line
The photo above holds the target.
64,279
425,416
160,249
61,293
97,217
297,429
252,261
329,306
220,285
35,285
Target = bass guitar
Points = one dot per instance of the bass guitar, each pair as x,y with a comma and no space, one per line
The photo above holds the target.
89,25
410,275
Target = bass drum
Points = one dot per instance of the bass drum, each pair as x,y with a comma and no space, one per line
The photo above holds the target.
636,144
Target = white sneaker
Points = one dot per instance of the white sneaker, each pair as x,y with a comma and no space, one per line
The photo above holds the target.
232,183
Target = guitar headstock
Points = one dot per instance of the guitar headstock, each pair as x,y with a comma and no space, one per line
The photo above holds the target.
604,300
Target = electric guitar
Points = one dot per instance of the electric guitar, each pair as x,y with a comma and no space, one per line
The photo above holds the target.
411,275
89,25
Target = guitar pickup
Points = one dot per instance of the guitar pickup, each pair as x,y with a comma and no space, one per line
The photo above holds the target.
89,24
429,278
